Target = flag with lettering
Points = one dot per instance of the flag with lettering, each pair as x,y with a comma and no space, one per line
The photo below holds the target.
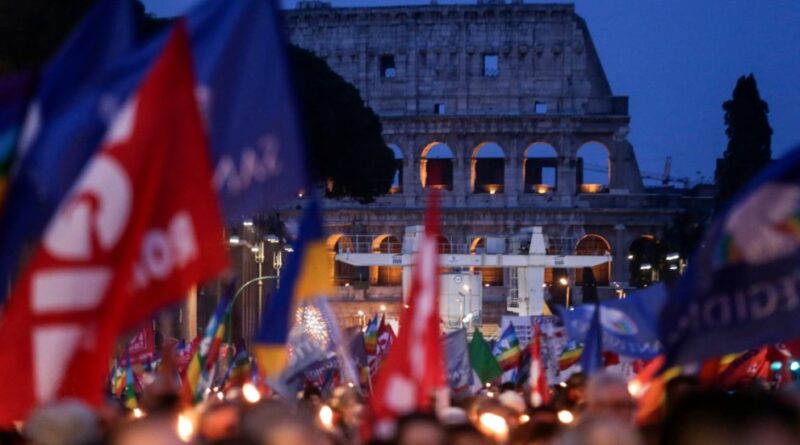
741,290
66,119
414,368
140,227
242,85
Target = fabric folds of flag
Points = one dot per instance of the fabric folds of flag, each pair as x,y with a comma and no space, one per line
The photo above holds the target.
61,117
570,355
129,399
740,289
507,350
414,369
303,278
537,376
106,272
592,357
480,357
239,371
197,373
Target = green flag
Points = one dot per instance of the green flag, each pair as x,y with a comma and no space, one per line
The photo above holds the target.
482,360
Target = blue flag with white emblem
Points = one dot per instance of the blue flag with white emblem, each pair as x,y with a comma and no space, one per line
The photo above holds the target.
629,326
242,87
742,287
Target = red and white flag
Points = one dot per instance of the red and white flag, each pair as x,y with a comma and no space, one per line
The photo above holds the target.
140,226
414,368
537,378
386,338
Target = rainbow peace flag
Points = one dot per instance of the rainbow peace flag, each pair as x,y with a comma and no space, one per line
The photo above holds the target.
507,350
198,373
571,355
129,399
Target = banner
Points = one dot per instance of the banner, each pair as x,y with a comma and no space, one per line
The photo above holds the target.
742,288
459,371
119,248
629,326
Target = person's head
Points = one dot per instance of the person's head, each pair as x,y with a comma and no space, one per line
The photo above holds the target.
157,429
607,395
220,421
535,432
576,389
679,387
465,434
419,429
743,418
69,422
603,430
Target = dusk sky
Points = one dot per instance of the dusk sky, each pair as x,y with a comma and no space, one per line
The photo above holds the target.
678,60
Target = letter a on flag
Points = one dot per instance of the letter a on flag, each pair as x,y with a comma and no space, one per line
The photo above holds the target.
138,229
414,368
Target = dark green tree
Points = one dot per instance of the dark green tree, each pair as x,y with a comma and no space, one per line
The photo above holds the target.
749,140
343,136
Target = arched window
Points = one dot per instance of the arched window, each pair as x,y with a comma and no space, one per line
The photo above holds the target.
643,261
488,168
540,168
387,275
343,273
593,169
492,276
397,181
594,245
436,166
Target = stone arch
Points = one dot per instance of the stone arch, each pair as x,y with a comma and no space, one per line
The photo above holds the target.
436,166
593,167
593,244
387,275
397,180
643,261
487,168
540,168
341,273
490,276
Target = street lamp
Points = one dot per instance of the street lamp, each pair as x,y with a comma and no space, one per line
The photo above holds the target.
564,282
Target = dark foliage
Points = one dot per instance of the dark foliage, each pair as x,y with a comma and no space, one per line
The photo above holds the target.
749,140
342,134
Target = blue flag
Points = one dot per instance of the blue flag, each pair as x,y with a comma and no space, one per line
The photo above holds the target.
629,326
742,288
64,125
592,355
243,89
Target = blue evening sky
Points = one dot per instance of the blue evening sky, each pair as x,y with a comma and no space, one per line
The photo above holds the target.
678,60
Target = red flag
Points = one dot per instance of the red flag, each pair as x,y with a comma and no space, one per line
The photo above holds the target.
414,368
540,393
745,368
139,228
386,338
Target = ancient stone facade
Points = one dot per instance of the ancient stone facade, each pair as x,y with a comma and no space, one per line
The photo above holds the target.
522,82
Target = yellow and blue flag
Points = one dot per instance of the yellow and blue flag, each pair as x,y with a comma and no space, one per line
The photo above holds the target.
305,277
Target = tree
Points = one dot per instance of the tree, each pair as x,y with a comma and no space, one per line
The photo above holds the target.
343,135
749,140
346,151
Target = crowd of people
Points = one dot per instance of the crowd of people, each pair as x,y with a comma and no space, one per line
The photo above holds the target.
599,410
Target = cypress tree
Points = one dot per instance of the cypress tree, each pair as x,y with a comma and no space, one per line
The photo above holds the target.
749,140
